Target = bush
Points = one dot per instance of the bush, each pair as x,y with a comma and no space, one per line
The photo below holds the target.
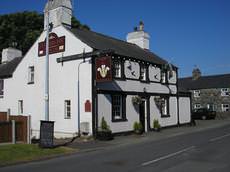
137,127
104,132
104,125
156,124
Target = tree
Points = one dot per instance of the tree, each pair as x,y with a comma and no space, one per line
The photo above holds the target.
20,30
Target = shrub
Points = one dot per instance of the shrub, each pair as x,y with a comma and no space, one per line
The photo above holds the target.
137,127
156,124
104,125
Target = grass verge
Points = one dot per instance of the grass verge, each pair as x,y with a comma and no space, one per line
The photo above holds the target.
10,154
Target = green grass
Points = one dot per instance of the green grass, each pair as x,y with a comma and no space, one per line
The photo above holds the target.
10,154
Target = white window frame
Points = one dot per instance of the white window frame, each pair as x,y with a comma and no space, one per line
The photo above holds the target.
1,88
117,107
163,77
143,73
31,75
224,92
67,107
225,107
196,93
20,107
117,69
164,106
197,106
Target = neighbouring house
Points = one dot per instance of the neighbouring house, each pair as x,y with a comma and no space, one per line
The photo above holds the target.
212,92
91,76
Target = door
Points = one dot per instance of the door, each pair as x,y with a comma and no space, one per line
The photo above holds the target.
142,111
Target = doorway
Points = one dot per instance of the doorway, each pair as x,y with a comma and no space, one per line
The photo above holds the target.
143,114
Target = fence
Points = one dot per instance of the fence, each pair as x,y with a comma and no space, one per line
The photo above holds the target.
21,128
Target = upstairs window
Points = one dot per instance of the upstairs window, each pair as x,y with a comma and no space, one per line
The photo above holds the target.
67,109
117,69
31,75
163,77
1,88
118,108
224,91
143,73
196,93
225,107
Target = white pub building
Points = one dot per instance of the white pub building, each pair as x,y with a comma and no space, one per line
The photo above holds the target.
91,76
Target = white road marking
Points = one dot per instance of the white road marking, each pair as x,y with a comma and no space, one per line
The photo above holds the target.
219,138
167,156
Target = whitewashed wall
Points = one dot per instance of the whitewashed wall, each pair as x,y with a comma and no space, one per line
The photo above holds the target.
63,85
184,110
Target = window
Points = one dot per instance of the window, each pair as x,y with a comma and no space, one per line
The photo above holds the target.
143,73
197,106
224,91
225,107
67,109
118,108
31,75
196,93
1,88
20,107
117,69
163,77
164,107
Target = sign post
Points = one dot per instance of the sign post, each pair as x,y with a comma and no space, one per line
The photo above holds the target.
46,134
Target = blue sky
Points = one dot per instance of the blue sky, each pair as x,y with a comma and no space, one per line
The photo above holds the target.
184,32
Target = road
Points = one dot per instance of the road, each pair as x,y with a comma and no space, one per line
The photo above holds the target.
203,151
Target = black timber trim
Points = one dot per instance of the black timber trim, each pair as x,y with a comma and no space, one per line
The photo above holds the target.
178,105
148,114
94,99
142,94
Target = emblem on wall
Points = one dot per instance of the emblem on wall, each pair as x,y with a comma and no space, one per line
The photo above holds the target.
103,69
56,45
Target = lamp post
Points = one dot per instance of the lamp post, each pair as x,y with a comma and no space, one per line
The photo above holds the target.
47,67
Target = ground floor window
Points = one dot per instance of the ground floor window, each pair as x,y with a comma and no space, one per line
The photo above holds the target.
225,107
20,107
118,108
67,109
164,106
197,106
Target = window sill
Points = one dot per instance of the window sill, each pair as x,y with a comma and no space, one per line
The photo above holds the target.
119,120
67,118
165,116
29,83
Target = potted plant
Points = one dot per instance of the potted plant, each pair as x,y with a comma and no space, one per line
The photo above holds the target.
104,132
137,128
156,125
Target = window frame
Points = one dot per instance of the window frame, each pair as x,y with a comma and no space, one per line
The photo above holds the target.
224,92
195,106
1,88
196,93
122,104
121,64
146,73
164,78
166,101
20,107
67,112
225,109
31,74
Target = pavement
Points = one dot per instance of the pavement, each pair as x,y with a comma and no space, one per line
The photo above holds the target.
89,144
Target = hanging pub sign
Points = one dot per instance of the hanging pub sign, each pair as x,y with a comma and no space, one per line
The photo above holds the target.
56,45
103,69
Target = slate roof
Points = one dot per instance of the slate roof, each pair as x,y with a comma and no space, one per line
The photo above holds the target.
205,82
102,42
7,69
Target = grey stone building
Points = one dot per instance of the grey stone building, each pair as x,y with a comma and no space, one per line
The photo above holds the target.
212,92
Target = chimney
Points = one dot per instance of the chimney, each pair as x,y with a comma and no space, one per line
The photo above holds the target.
139,37
60,13
196,73
9,54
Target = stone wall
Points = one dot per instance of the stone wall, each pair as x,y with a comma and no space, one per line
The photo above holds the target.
212,97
